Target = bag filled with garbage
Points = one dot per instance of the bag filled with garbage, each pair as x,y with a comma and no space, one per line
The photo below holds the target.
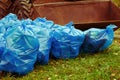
43,22
98,39
19,51
42,31
7,22
67,41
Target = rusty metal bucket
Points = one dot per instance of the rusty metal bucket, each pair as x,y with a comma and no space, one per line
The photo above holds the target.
46,1
85,14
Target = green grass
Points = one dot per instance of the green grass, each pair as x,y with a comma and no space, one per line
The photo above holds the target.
117,2
101,66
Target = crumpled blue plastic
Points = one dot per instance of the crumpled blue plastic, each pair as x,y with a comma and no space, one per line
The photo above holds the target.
9,17
8,21
67,41
20,51
23,42
43,22
44,34
98,39
2,43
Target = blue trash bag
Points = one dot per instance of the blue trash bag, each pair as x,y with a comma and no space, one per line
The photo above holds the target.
2,43
9,17
67,41
98,39
44,36
43,22
7,22
27,22
20,51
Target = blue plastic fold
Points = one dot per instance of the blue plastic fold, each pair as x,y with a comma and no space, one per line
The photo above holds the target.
98,39
20,52
24,42
43,22
67,41
44,35
7,22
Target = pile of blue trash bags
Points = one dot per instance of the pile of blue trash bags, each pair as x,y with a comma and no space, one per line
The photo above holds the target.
26,42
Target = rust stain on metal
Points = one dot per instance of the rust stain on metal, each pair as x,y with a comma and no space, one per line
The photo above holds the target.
46,1
84,14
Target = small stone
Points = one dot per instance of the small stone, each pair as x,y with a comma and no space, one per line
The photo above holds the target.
115,53
113,74
49,78
56,75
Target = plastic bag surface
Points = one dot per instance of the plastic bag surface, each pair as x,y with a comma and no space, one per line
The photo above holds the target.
67,41
44,34
20,51
98,39
7,22
43,22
